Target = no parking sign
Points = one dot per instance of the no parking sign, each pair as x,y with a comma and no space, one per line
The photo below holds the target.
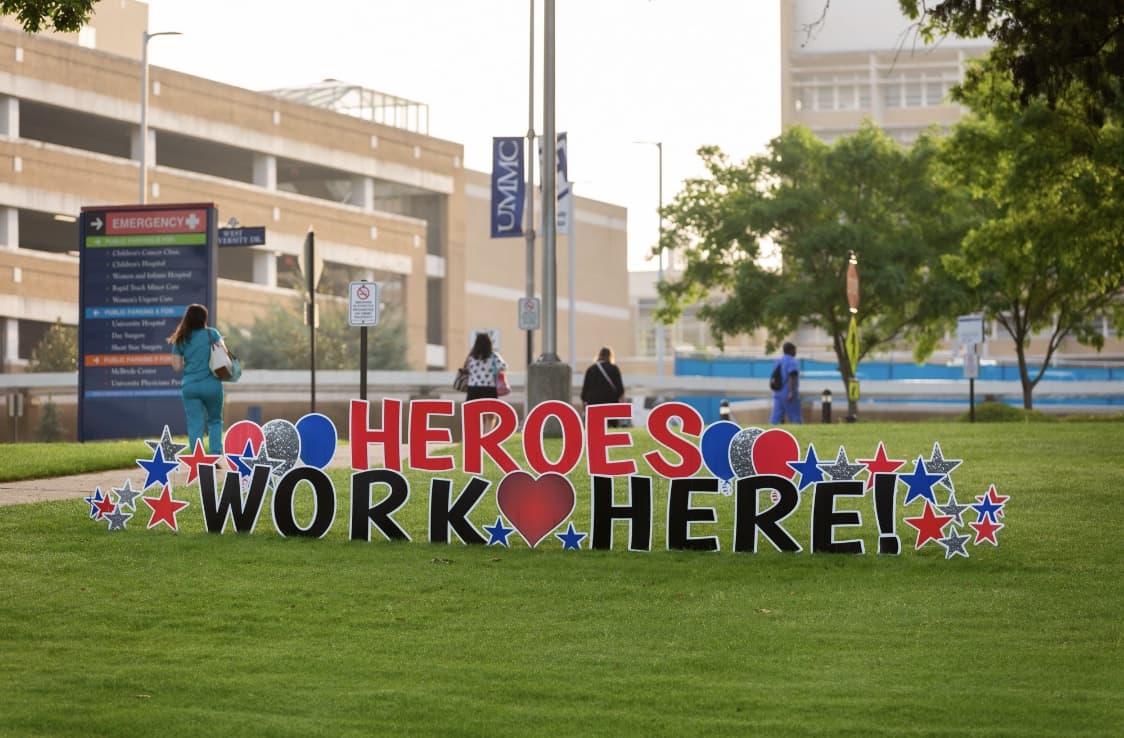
363,304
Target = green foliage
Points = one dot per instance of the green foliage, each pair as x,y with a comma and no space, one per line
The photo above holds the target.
49,429
1001,412
280,340
1050,48
257,635
57,351
1044,255
819,203
49,15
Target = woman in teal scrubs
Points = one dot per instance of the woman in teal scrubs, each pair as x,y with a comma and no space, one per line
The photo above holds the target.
202,392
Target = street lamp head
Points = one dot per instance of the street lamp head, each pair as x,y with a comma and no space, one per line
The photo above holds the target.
148,35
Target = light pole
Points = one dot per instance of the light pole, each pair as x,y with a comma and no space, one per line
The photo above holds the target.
530,228
548,378
659,257
145,38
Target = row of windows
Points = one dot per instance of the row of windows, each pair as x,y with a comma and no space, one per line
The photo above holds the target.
849,93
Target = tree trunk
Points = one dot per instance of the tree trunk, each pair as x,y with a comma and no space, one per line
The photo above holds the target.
1024,376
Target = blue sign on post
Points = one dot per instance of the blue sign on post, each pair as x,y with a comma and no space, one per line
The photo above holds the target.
139,268
508,187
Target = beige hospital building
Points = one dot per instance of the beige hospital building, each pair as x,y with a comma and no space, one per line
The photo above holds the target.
387,201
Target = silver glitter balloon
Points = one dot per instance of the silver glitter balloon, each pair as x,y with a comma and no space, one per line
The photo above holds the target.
282,442
741,451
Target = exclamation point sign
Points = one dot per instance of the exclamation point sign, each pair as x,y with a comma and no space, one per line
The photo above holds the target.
885,492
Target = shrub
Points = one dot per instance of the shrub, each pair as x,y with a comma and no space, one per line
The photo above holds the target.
49,428
1001,412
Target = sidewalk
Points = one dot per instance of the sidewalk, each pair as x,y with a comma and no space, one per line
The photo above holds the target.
84,485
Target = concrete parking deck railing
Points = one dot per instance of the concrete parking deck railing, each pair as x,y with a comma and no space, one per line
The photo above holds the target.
295,384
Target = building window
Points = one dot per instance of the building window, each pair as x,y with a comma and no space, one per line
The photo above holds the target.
825,98
864,97
806,99
893,94
646,341
934,92
913,90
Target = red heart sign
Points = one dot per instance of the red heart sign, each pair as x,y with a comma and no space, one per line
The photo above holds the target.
535,506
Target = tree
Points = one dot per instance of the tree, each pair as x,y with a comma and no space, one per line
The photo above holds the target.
49,15
864,195
280,339
1048,46
49,428
57,351
1045,256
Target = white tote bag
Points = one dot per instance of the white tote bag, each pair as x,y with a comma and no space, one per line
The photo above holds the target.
221,364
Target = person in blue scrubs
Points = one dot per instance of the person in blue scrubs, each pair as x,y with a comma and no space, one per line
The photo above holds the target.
202,392
786,400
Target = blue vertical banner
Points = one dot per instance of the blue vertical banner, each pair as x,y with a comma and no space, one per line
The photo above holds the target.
508,187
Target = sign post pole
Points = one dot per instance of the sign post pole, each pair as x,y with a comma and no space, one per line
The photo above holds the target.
969,334
852,340
310,269
363,363
363,311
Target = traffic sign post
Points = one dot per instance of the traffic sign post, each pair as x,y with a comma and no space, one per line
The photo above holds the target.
969,329
969,334
530,313
363,304
851,343
363,311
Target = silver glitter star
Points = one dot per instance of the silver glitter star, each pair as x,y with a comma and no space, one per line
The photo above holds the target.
117,519
954,544
951,508
263,459
126,496
165,442
938,464
842,468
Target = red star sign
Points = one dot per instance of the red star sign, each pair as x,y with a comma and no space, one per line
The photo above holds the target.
879,464
196,458
164,509
929,526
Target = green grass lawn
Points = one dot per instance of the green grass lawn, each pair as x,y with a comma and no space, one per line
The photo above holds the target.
149,632
37,460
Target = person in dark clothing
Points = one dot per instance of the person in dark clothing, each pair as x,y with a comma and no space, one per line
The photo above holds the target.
603,383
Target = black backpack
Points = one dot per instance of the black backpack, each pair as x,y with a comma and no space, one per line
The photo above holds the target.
776,381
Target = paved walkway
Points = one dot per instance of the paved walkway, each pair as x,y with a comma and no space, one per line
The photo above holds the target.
83,485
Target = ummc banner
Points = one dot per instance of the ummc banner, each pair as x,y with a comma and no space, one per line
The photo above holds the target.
508,187
565,214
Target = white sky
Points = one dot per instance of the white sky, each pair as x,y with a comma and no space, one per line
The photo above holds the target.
683,72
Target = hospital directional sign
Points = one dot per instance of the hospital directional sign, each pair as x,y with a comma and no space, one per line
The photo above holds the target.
139,268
